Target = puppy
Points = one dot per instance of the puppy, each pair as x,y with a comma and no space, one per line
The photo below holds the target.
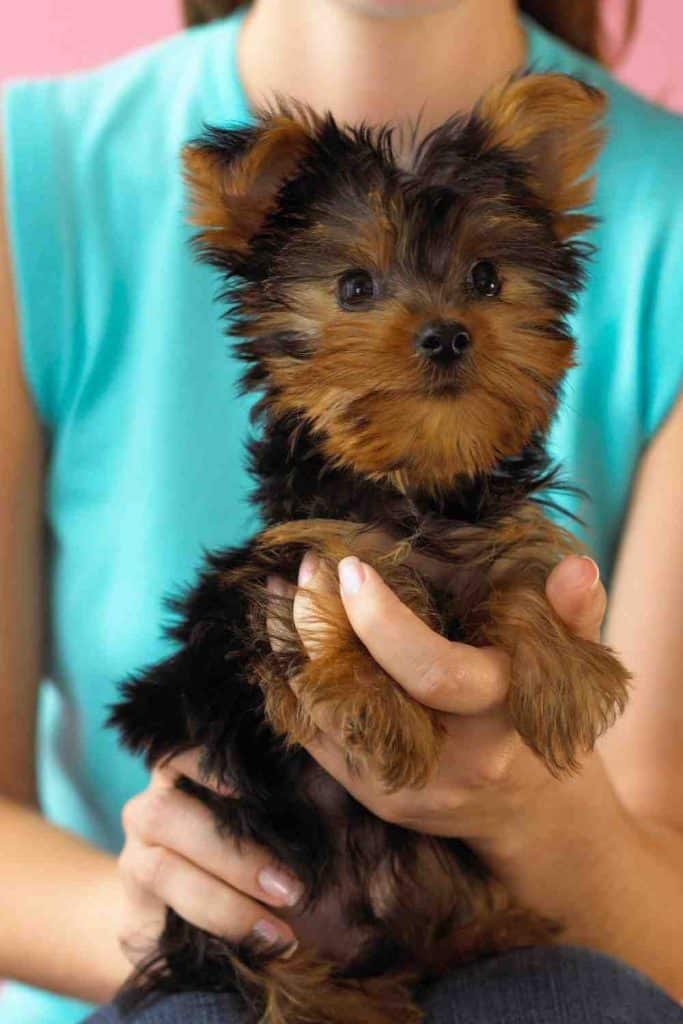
402,312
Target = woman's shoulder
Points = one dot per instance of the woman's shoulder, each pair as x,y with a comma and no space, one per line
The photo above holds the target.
644,143
630,357
156,92
92,168
642,160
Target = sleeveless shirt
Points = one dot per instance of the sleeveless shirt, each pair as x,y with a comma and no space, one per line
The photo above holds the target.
126,359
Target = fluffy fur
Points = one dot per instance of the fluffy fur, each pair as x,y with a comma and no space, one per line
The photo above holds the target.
362,429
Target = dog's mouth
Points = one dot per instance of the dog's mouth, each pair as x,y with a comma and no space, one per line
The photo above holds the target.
445,382
446,389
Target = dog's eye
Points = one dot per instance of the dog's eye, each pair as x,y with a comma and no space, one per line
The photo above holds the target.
356,288
484,278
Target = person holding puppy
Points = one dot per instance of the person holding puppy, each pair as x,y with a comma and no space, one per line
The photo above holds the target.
122,431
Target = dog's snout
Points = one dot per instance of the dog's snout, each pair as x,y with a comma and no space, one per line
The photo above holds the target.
442,341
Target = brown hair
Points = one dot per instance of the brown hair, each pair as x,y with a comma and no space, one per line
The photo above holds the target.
578,22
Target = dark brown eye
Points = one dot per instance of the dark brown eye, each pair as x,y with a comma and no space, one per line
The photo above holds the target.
484,278
356,288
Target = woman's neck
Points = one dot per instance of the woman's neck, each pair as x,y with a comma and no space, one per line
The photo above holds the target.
335,56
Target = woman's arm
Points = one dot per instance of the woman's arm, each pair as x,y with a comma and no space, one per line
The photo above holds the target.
610,856
644,752
58,895
64,905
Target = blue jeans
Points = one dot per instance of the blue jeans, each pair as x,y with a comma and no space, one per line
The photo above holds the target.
528,986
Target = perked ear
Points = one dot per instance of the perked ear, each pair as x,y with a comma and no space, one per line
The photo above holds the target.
234,176
554,123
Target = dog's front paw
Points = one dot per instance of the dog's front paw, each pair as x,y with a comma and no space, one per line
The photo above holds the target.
565,693
375,721
319,676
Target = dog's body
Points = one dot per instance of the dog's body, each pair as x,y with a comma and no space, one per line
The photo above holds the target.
407,330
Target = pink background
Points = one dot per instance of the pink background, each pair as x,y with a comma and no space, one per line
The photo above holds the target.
38,36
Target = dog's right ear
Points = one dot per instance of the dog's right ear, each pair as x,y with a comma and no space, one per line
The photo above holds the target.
234,176
554,124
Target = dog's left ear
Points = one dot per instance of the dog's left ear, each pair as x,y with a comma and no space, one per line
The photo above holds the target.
234,177
554,124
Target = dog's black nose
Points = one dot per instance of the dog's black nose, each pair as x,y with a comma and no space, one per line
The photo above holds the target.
442,341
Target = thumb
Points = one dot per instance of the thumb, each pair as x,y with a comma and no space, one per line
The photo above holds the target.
577,595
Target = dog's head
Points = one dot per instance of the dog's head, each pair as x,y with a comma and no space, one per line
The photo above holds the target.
409,303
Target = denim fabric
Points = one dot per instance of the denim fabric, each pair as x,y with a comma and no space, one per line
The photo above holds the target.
529,986
549,986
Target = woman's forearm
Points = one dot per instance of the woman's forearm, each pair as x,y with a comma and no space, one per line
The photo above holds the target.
59,909
614,883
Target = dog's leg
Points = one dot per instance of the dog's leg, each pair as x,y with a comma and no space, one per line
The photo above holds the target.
565,690
170,706
376,721
333,682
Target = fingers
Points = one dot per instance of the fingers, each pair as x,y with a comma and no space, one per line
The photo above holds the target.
481,754
576,594
157,877
447,676
306,618
175,821
174,857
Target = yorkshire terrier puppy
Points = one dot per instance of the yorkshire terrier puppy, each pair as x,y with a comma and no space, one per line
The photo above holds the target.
403,314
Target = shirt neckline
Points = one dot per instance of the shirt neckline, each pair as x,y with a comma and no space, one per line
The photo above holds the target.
543,51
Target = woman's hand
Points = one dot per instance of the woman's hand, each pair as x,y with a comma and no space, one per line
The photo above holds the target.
174,857
566,848
487,782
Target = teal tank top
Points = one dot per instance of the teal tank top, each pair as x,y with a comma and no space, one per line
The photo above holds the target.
130,371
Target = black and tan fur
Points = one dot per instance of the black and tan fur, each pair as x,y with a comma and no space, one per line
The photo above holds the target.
360,434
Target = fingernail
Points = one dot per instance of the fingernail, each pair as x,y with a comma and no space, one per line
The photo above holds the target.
265,933
308,567
351,574
282,885
585,573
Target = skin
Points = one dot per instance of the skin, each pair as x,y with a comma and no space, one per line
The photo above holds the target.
362,61
579,848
